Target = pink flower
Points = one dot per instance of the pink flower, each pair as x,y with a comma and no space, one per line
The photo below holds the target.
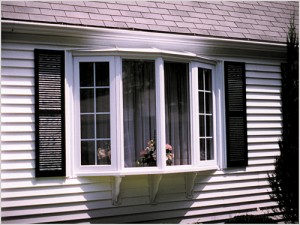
168,147
143,152
101,153
151,143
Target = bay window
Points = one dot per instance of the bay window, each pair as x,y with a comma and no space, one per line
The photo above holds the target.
150,115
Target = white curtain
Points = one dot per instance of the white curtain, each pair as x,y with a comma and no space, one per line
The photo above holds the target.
139,113
177,111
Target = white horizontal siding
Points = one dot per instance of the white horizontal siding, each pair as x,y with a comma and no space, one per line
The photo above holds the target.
218,195
263,82
17,118
11,127
263,115
16,146
262,89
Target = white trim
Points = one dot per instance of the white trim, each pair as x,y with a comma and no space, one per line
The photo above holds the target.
216,123
113,113
160,112
83,38
119,108
194,118
69,114
77,140
145,52
46,28
147,171
221,115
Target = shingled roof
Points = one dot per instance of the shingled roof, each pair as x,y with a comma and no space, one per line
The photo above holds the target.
248,20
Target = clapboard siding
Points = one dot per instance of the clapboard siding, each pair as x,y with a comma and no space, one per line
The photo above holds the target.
263,113
17,118
11,127
218,195
262,89
147,213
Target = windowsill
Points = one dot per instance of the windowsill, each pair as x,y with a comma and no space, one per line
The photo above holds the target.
149,171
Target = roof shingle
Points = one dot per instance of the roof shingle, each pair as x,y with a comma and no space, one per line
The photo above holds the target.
262,20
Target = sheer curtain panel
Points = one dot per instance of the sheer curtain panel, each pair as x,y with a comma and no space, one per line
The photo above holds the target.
177,112
139,113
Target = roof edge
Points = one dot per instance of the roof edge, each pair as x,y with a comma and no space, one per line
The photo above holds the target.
113,31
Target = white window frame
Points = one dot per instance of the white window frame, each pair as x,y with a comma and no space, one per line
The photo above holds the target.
113,123
195,113
116,101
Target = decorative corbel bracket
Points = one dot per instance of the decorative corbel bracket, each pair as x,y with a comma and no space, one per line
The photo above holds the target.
154,181
116,190
189,184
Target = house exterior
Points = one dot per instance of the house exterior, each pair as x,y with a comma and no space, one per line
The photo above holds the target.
140,111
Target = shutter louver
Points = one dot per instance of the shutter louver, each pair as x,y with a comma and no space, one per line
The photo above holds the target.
49,111
236,124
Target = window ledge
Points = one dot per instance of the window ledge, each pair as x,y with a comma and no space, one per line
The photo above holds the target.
148,171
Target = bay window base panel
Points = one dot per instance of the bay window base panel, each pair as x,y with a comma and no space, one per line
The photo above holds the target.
147,171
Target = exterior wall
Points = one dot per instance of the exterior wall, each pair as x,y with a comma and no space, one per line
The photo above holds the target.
218,195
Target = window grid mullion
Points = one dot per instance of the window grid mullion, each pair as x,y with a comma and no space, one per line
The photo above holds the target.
93,139
95,116
204,102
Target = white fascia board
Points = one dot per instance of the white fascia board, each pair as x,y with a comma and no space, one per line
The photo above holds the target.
151,52
167,39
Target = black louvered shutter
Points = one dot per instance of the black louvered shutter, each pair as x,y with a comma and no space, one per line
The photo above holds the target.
49,113
236,124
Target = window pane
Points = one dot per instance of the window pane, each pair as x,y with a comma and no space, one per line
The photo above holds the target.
139,113
86,74
209,146
103,153
202,149
202,126
209,126
177,112
200,79
87,153
95,113
102,74
103,126
86,100
208,105
207,80
102,101
87,127
201,102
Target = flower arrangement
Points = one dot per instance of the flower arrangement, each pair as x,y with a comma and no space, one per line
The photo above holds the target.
170,155
148,155
103,156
